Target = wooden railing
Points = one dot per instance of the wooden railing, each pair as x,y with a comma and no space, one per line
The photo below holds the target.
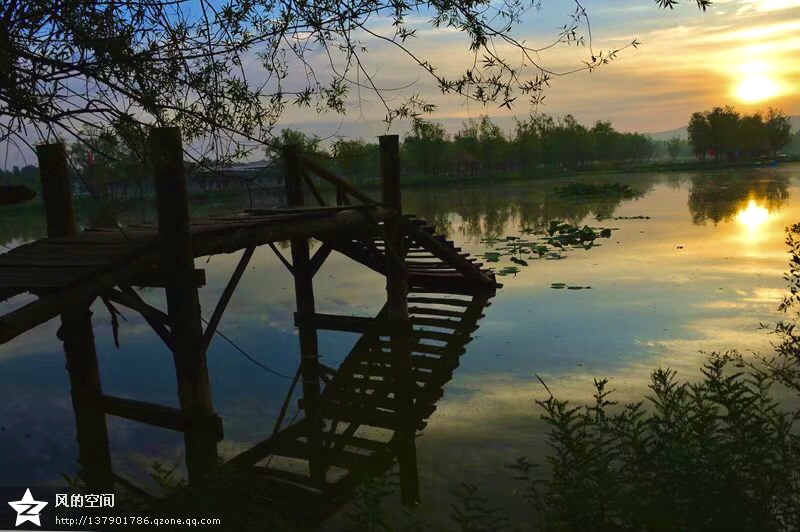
299,167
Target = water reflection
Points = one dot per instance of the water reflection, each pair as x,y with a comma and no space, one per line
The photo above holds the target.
652,303
722,197
356,421
485,211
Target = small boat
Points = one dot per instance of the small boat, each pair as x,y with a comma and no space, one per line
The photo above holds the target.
12,194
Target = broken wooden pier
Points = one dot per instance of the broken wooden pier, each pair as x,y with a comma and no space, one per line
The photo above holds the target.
391,380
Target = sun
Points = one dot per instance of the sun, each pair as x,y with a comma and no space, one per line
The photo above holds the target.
755,85
756,88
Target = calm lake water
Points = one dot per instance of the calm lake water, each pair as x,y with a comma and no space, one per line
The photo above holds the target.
699,274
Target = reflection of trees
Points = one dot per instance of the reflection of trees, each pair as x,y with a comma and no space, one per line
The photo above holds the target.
720,197
485,211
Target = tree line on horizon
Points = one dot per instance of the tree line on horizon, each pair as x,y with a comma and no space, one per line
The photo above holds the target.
726,135
113,163
481,147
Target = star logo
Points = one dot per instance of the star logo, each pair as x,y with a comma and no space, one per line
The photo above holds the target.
28,509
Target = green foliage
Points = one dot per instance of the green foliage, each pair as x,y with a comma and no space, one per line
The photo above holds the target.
731,136
367,511
357,160
553,240
111,161
472,512
424,148
469,512
540,140
721,454
307,144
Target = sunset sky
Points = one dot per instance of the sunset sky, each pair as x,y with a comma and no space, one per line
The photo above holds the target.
739,52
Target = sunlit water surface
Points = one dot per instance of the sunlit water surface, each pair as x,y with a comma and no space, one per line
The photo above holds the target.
700,274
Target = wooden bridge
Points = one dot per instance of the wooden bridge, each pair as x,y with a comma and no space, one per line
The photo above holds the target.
390,381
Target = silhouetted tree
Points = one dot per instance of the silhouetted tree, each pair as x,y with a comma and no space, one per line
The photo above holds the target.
356,159
730,135
777,130
425,146
699,135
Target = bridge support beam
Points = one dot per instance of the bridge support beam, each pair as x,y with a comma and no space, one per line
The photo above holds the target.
303,273
76,330
183,303
397,288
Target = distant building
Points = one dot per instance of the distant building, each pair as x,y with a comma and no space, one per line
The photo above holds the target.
259,175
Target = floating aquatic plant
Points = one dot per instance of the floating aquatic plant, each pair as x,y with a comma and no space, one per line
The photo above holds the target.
553,240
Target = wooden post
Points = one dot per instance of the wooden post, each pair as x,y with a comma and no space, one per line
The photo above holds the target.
397,288
183,303
76,330
56,191
303,273
390,172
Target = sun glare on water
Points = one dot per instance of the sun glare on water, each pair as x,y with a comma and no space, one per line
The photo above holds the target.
755,84
753,215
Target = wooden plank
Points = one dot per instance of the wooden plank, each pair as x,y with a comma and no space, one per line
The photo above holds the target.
352,221
161,416
281,258
385,371
345,459
376,418
439,322
428,349
431,311
311,187
337,181
134,302
319,257
332,322
224,299
358,442
286,476
446,253
421,361
451,302
438,336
